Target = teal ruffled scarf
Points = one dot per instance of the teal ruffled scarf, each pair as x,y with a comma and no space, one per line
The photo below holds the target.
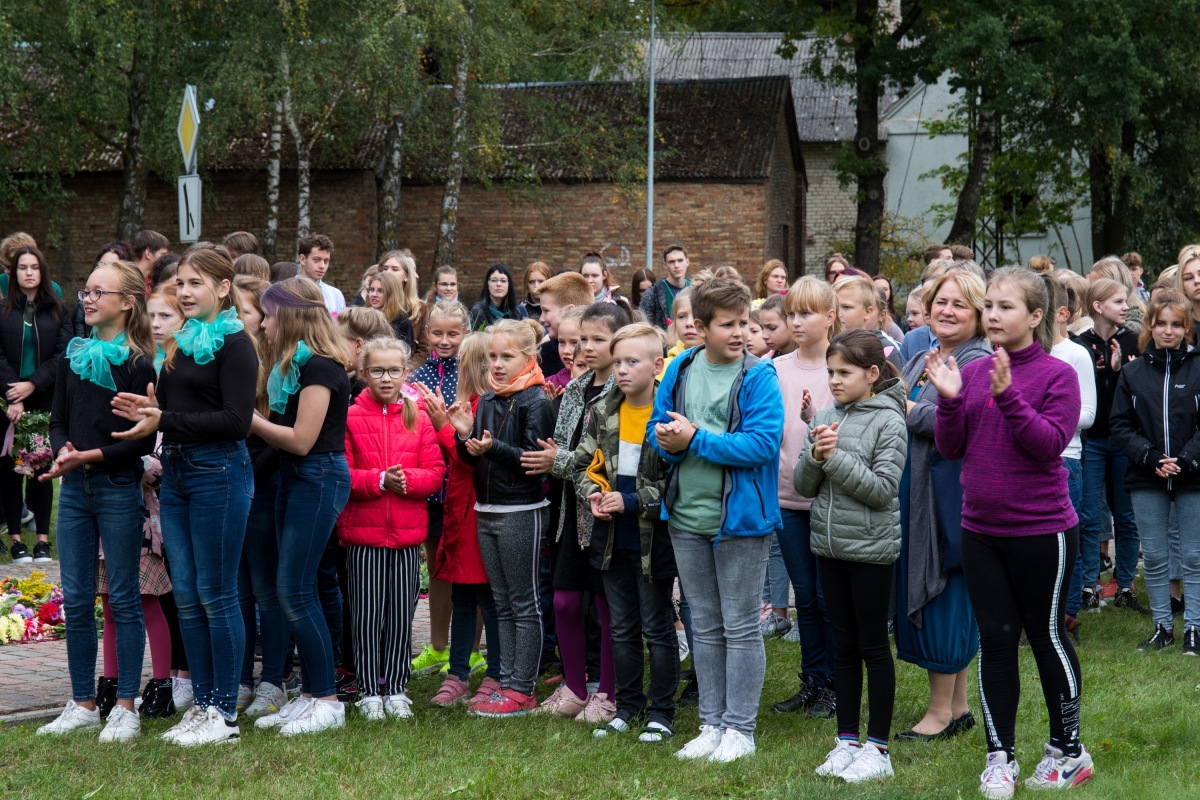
201,340
92,359
160,356
280,388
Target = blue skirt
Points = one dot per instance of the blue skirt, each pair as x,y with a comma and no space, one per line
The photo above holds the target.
948,638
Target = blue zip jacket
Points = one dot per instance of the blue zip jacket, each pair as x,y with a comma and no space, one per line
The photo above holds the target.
748,452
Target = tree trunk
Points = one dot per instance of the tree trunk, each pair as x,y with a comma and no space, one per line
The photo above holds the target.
303,152
271,234
389,195
444,255
871,171
1110,195
133,157
963,229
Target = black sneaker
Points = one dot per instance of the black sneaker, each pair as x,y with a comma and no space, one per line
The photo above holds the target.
106,695
1191,642
1177,604
20,553
158,701
1090,599
41,552
1163,637
690,696
1126,599
825,706
809,689
347,686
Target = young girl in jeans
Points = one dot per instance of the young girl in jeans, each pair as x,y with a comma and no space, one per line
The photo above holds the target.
851,467
101,497
511,506
394,465
1155,422
308,394
1009,418
203,404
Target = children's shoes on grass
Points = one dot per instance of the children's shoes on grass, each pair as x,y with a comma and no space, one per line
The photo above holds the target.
453,691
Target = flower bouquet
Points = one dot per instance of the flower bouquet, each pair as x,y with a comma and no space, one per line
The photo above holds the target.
30,444
31,610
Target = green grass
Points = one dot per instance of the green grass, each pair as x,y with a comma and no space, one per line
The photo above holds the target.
1140,720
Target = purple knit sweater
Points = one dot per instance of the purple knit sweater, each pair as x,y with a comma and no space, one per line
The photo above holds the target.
1013,479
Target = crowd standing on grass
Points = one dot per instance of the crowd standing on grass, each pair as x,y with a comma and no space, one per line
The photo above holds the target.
603,487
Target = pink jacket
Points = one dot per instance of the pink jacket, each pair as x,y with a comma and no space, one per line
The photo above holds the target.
375,440
794,378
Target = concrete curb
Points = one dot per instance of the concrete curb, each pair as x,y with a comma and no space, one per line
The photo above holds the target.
36,715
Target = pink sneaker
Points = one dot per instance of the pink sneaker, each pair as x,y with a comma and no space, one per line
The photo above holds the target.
486,691
563,702
509,703
453,691
599,711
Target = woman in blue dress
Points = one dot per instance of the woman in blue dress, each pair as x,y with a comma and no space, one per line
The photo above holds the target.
935,627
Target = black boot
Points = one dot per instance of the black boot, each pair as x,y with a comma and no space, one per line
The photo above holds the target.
106,695
801,700
690,696
158,702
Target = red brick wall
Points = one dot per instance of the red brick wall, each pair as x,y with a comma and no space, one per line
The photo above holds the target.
781,203
719,223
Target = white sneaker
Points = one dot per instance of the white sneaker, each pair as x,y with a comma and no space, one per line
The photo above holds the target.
869,763
182,694
1060,771
733,746
703,745
684,650
398,706
999,778
190,717
73,718
122,726
838,759
371,708
318,715
209,727
268,698
283,716
245,697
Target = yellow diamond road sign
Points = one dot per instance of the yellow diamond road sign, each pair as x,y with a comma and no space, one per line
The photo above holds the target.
189,128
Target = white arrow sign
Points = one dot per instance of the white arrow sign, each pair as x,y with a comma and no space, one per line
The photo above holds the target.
189,129
189,208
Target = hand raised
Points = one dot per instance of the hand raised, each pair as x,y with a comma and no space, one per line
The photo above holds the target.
945,377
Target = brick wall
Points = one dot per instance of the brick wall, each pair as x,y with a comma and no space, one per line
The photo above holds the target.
781,234
719,223
830,208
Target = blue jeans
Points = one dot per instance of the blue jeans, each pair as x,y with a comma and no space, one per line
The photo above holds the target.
775,590
1153,509
817,649
313,490
256,584
1102,458
1075,490
205,501
467,598
96,508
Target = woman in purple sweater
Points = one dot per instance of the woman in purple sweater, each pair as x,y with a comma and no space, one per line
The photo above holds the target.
1009,417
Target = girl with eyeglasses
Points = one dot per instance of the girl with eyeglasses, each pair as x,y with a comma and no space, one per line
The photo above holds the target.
497,298
308,394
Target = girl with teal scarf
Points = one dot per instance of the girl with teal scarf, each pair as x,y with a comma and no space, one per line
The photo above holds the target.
203,404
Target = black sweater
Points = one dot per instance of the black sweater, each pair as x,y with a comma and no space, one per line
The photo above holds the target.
82,415
211,402
50,338
1106,378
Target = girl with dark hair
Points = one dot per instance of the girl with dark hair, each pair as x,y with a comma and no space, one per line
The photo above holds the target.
497,298
34,332
851,468
639,284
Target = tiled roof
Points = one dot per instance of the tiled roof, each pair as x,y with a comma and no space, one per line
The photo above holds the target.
824,111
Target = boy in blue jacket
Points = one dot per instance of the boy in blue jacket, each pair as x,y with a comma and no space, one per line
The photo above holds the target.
718,422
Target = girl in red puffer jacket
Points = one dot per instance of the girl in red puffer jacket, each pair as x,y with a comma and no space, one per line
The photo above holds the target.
395,464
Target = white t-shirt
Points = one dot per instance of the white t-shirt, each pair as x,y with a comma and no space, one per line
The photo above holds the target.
1077,356
334,300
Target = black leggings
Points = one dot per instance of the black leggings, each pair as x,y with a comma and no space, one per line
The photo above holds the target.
37,495
1015,582
857,596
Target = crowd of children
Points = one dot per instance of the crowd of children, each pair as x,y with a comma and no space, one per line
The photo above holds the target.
583,476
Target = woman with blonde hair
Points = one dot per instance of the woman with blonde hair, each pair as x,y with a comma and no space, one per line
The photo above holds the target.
385,293
402,264
1114,269
1042,265
772,279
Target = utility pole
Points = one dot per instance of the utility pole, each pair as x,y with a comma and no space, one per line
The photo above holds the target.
650,158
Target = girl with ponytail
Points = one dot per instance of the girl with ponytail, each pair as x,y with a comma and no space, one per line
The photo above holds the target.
100,503
1009,418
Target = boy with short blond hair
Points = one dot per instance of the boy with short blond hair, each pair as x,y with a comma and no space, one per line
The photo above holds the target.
858,309
557,295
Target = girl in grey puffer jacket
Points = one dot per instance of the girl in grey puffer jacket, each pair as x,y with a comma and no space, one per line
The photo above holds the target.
851,468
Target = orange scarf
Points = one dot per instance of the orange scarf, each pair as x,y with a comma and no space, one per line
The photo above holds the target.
530,376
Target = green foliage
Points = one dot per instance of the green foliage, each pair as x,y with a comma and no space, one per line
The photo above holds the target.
902,242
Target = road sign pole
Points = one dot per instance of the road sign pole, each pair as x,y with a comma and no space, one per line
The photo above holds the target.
189,183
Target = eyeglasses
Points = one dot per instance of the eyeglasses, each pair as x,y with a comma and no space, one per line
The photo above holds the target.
394,373
94,295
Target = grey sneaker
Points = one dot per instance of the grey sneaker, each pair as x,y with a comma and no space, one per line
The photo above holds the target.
775,625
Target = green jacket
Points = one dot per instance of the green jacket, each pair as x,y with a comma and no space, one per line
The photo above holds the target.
603,433
856,491
571,410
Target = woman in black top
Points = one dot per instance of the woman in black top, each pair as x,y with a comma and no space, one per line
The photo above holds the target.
34,331
204,404
101,497
497,298
309,394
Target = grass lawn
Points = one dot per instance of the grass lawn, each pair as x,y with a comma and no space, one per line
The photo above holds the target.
1140,720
